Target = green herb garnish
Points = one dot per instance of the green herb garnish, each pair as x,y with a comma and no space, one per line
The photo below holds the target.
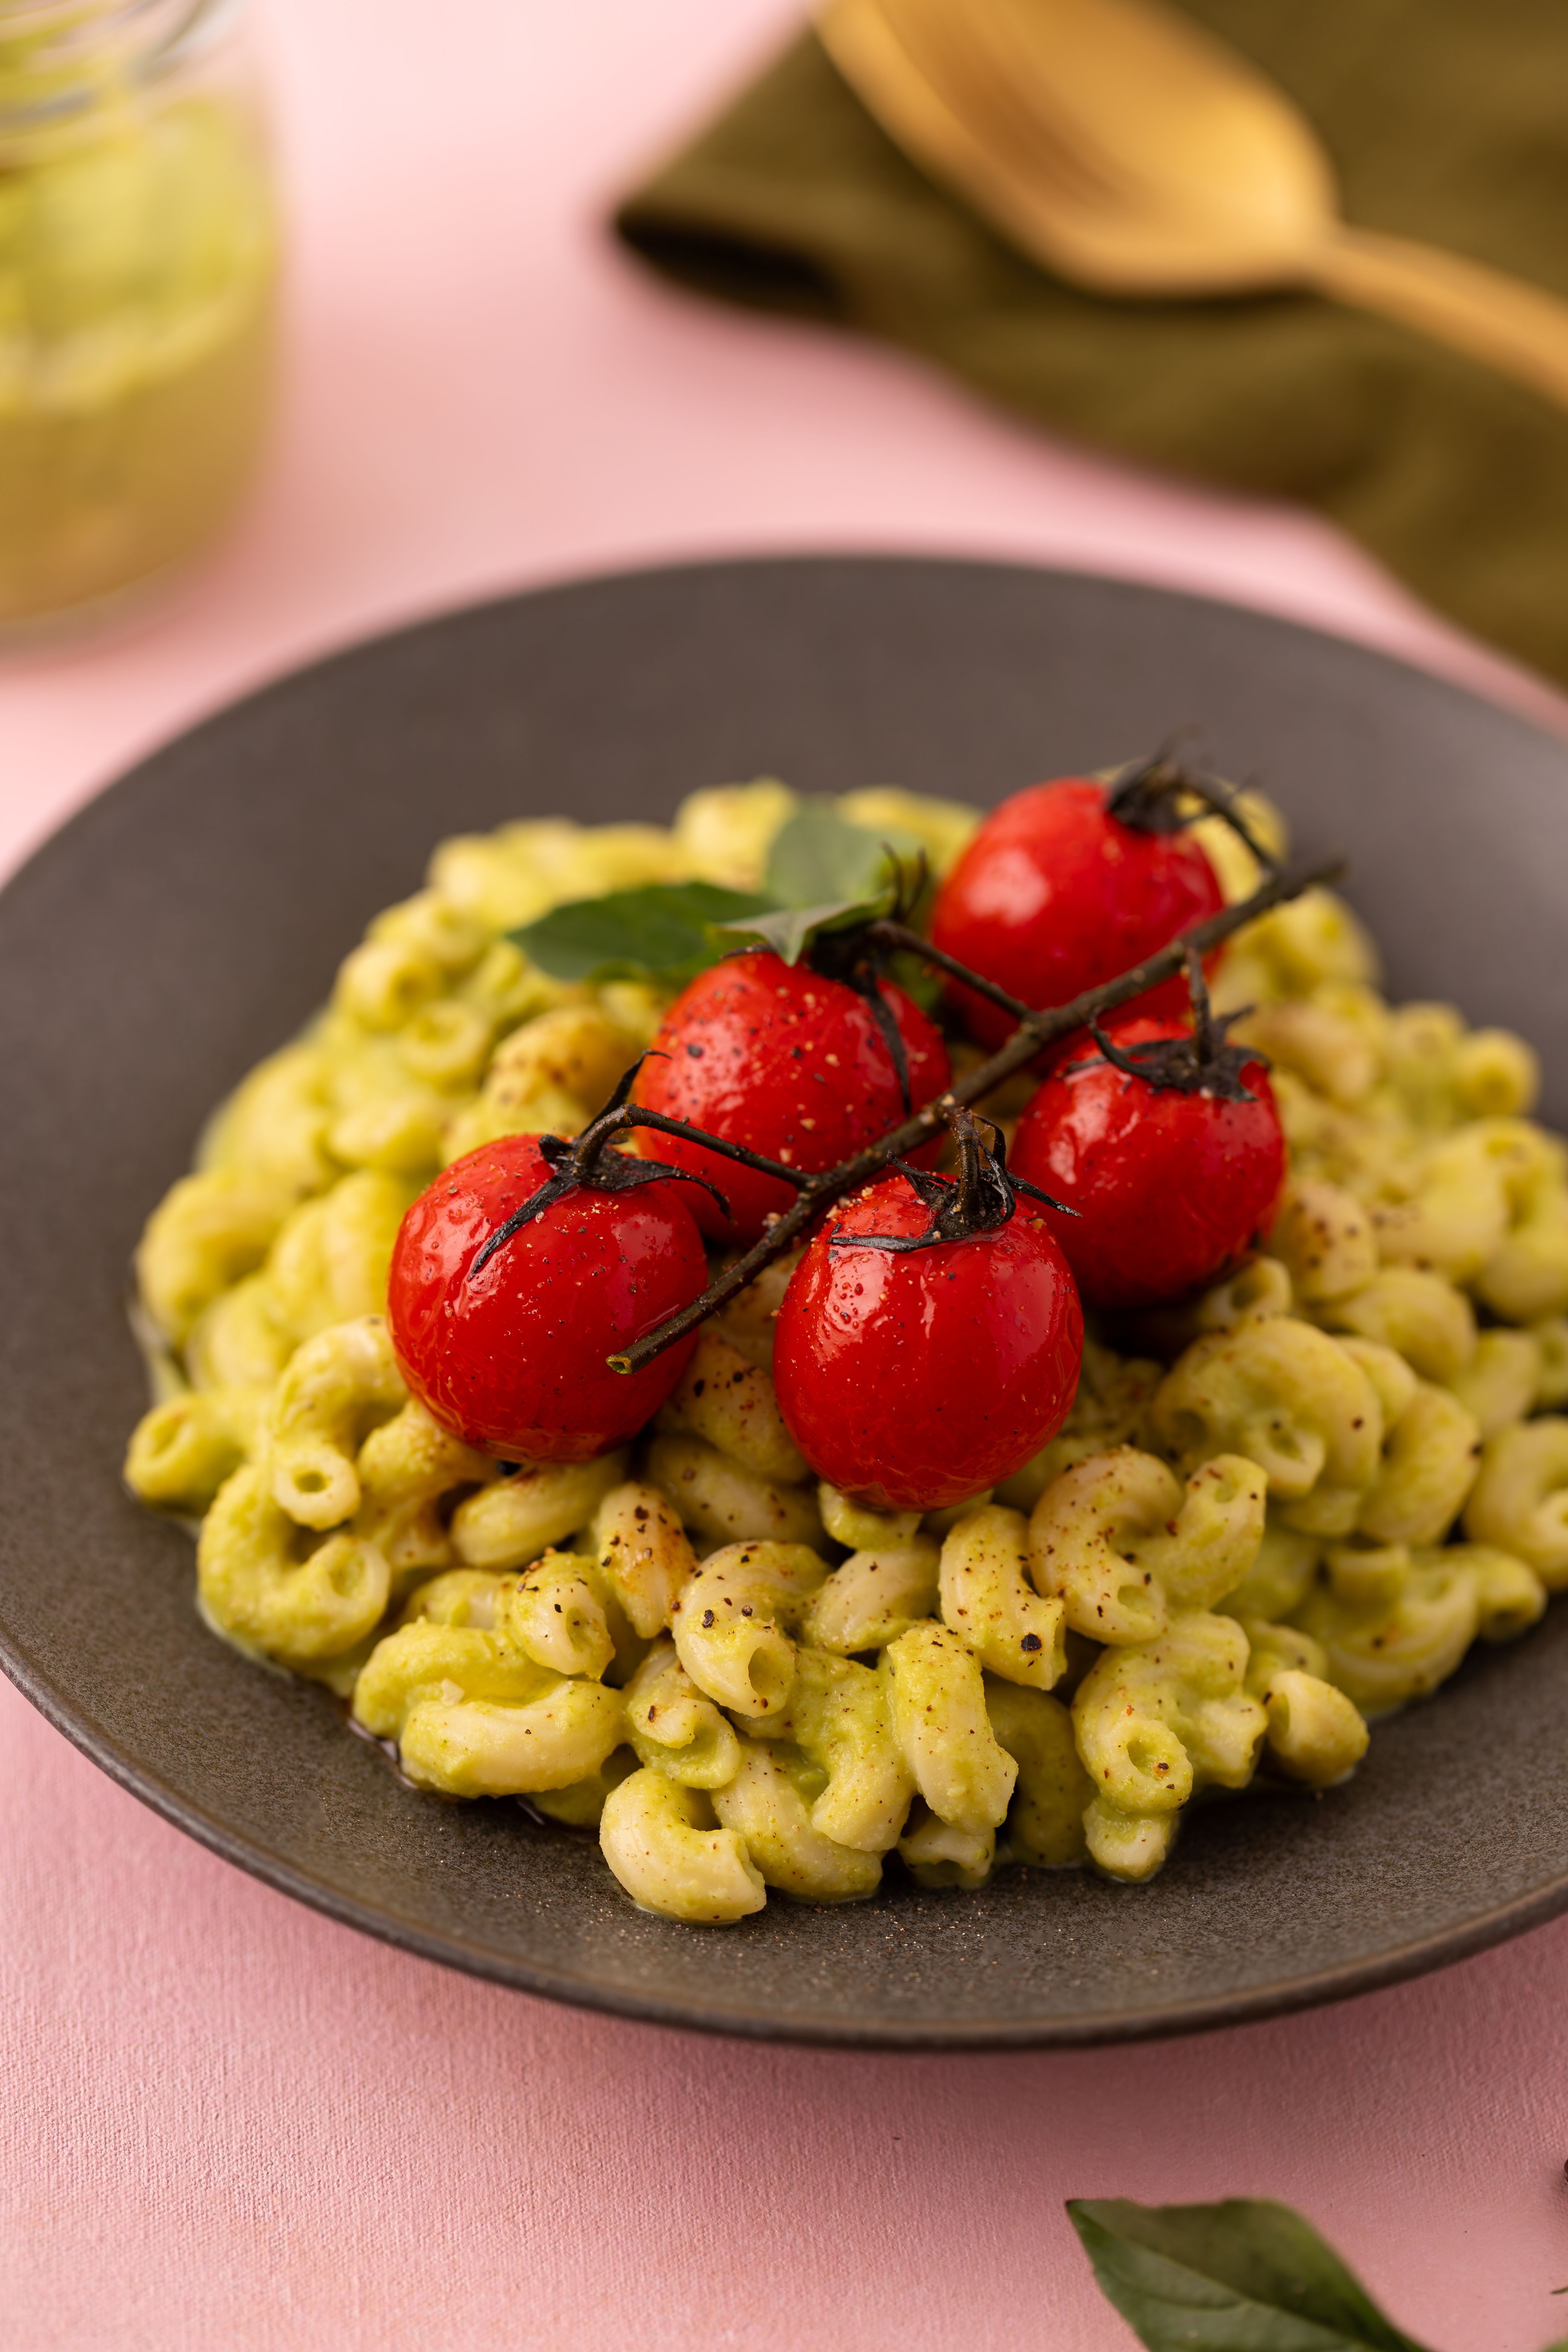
823,874
1247,2275
668,931
819,858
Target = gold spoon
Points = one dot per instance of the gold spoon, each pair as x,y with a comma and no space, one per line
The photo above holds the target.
1131,152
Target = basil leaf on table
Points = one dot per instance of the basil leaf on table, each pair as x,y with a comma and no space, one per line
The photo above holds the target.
1247,2275
669,929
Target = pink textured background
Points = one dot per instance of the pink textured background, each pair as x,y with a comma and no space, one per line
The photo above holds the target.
227,2123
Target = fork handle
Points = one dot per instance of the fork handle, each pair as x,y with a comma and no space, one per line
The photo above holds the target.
1514,327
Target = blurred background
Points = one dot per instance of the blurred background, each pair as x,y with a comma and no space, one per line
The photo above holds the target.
477,386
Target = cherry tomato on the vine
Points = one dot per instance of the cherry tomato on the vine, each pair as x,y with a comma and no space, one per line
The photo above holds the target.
1056,893
797,1067
513,1361
1174,1185
913,1380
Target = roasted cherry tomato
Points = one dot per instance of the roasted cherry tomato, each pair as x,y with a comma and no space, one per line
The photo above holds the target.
1057,892
912,1379
797,1067
513,1360
1170,1150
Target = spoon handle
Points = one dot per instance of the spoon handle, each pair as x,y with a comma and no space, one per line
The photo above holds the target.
1514,327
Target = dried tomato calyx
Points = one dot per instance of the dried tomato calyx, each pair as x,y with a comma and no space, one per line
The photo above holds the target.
1205,1063
1147,796
847,956
982,1199
587,1163
853,957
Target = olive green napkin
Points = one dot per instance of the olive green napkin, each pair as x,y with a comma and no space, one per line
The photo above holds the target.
1445,121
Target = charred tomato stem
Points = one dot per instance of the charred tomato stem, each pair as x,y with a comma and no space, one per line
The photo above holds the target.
661,1123
1035,1029
853,959
891,934
982,1198
1206,1063
1146,795
588,1164
866,982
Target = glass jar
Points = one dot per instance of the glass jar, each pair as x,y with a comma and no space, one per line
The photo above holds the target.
138,261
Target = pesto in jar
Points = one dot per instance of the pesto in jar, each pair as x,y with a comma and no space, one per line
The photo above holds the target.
137,266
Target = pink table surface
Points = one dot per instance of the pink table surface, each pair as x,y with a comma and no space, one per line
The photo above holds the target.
228,2123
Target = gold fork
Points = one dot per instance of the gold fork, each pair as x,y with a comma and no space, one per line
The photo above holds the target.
1134,153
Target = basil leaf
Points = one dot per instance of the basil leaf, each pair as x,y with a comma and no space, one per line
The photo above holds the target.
1245,2275
821,871
667,928
819,858
787,930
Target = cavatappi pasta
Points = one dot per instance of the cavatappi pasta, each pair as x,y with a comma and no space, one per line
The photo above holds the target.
1273,1513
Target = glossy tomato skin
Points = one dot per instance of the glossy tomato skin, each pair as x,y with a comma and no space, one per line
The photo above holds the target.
1174,1191
513,1362
1054,896
915,1379
772,1055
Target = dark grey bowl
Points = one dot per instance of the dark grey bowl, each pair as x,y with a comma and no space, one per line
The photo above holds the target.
190,918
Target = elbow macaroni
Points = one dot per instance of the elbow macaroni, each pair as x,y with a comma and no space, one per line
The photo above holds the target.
674,1730
472,1715
839,1717
1244,1541
874,1596
1283,1395
987,1599
1520,1498
731,1621
664,1845
730,1403
941,1722
515,1517
768,1806
343,1383
1121,1543
1155,1722
642,1548
1315,1732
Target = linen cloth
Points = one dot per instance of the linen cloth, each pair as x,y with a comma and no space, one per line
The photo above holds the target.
1443,118
225,2123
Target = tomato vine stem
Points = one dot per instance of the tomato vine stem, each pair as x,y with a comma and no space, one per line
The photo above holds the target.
584,1164
1035,1028
981,1199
